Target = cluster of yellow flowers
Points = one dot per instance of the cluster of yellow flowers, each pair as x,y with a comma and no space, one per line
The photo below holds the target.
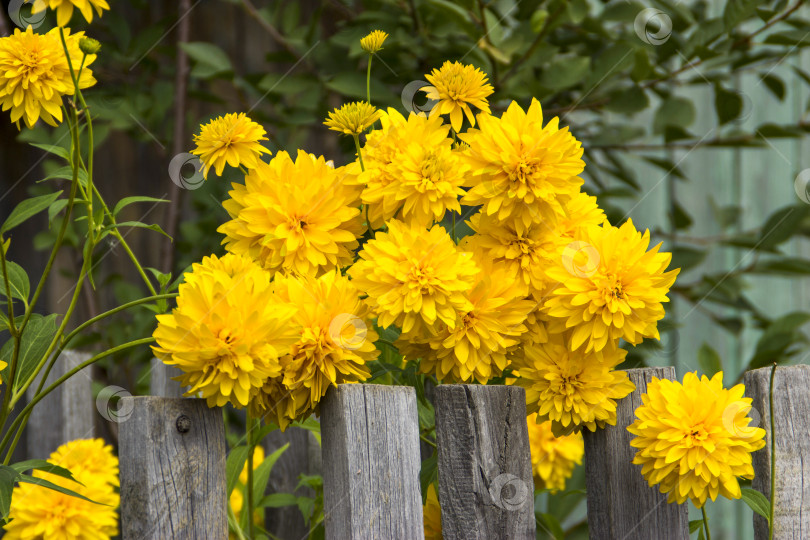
41,512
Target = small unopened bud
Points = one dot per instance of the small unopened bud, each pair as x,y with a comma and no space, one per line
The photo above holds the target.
89,45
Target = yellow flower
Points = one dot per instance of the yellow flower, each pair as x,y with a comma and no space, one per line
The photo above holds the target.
40,513
299,216
414,277
277,403
694,438
526,252
373,42
353,118
553,458
608,286
522,172
478,344
258,457
34,74
427,173
237,497
232,139
64,8
335,342
432,515
572,389
457,86
227,331
580,211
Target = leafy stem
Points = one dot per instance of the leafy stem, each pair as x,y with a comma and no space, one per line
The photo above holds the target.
706,522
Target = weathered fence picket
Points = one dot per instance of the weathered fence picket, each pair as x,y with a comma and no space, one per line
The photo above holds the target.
66,413
370,436
620,503
485,475
161,379
791,411
172,460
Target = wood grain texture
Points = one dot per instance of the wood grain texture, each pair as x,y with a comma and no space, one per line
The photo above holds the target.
370,436
161,380
301,457
620,502
791,411
65,414
486,489
172,482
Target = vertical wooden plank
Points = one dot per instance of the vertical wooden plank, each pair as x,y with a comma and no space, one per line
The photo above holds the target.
301,457
620,503
161,380
370,436
486,489
172,459
791,410
66,413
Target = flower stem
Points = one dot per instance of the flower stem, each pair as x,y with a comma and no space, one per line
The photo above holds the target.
368,79
773,455
250,425
359,154
706,522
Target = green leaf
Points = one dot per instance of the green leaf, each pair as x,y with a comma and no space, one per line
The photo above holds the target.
786,266
628,100
17,281
565,72
551,524
27,209
53,210
680,218
727,104
757,502
791,38
50,485
685,257
129,200
278,500
737,11
775,85
310,424
42,465
354,85
138,224
262,473
694,525
7,478
234,465
56,150
538,20
709,360
209,59
66,173
781,225
673,112
33,344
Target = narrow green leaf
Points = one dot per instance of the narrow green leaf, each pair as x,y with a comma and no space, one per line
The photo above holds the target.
53,210
7,478
278,500
139,225
130,200
758,502
781,225
27,209
709,360
35,340
17,281
56,150
234,465
262,473
737,11
775,85
42,465
50,485
209,59
694,525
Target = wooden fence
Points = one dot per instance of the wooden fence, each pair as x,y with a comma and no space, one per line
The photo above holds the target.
172,453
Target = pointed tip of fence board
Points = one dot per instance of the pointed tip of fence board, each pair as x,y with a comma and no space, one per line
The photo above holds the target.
620,502
370,436
486,490
791,410
172,469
